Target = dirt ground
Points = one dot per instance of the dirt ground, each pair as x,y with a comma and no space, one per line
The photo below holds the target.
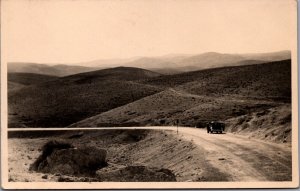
192,155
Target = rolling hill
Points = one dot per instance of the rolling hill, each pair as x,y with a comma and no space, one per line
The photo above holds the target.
166,107
65,100
268,80
29,78
202,96
250,97
14,86
19,80
55,70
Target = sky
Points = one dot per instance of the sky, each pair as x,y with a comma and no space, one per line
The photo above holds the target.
71,31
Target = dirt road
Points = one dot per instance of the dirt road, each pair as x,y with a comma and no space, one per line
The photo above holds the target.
238,157
241,158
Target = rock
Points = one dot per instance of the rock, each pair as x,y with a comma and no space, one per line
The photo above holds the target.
137,174
45,176
67,160
47,150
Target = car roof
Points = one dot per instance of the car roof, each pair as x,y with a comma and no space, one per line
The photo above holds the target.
216,122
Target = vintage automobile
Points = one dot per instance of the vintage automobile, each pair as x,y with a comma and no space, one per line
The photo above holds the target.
215,126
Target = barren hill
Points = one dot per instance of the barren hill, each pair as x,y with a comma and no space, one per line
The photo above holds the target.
268,80
118,73
166,107
29,78
231,94
19,80
126,96
69,99
52,70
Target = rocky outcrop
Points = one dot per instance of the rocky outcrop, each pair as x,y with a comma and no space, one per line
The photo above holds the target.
64,158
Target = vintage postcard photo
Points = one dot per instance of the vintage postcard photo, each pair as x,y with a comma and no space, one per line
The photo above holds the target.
120,94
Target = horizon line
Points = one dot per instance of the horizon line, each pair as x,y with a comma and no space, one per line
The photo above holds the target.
133,58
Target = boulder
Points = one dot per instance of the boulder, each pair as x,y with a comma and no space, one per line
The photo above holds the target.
85,160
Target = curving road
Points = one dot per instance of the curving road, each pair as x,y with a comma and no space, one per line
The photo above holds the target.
243,159
239,157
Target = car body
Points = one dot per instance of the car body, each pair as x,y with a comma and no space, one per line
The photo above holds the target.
214,126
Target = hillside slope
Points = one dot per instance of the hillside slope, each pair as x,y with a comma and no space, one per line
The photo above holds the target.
53,70
198,97
253,100
69,99
166,107
29,78
19,80
269,80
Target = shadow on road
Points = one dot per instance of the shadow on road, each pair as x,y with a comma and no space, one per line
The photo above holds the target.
218,133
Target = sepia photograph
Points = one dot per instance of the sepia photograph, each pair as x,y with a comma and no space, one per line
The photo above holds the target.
149,94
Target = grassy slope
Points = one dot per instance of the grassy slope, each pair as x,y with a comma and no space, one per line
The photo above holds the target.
69,99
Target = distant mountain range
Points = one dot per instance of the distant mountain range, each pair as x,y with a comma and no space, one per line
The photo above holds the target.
169,64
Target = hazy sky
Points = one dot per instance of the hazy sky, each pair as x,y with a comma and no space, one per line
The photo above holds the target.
65,31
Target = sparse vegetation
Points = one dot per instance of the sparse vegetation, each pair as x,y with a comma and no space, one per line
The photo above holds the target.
73,98
134,97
